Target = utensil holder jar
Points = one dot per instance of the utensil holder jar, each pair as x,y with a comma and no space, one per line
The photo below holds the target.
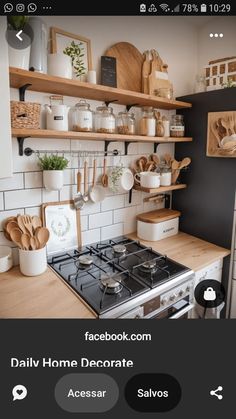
33,262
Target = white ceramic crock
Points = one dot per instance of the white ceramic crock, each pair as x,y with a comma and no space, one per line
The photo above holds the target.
6,261
19,58
57,117
33,262
53,180
60,65
148,179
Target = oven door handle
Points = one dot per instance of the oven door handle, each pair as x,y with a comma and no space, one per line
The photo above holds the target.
182,312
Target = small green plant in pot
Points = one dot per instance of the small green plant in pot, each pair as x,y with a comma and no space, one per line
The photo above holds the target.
53,167
18,57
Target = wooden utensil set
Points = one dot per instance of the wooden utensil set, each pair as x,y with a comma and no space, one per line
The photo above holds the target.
26,232
144,164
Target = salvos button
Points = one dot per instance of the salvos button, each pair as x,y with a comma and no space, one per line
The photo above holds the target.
153,392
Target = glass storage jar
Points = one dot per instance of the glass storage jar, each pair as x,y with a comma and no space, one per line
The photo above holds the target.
177,126
165,172
148,122
105,120
126,123
82,117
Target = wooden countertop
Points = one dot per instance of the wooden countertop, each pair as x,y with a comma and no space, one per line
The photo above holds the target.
43,296
188,250
47,296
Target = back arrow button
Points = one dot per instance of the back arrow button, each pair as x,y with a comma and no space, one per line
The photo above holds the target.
18,35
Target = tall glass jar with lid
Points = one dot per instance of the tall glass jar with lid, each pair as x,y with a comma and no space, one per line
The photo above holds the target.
148,122
126,123
82,117
105,121
177,128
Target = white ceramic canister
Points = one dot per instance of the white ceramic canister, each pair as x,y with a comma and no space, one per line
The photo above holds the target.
19,58
60,65
92,77
57,114
165,179
148,179
6,260
33,262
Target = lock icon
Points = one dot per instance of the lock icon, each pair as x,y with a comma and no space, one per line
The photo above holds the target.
209,294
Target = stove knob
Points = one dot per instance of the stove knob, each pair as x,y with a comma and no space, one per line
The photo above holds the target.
172,297
181,293
188,289
164,301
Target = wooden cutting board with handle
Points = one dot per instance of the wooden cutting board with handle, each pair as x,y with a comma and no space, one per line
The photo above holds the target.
129,61
157,65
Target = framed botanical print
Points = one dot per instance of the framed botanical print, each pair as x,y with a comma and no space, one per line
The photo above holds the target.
63,223
76,46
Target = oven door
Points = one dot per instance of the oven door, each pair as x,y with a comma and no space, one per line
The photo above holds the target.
179,310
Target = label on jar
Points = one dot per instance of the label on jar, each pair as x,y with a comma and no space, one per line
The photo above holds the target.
177,128
84,119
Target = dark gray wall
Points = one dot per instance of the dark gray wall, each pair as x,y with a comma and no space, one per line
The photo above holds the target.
207,205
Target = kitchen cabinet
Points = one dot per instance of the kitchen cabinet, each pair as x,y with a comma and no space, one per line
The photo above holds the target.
5,121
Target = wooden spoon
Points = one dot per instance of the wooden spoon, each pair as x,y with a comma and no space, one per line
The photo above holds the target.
36,222
175,164
10,226
185,162
25,241
42,235
105,176
33,243
20,222
15,235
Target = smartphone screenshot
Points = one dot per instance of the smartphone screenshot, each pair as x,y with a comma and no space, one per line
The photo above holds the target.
117,209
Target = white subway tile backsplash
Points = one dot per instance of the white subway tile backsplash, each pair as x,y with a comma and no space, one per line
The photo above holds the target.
91,208
6,214
15,256
84,222
112,231
11,183
66,193
100,220
33,180
91,236
69,177
50,196
124,214
1,201
33,211
130,226
5,242
23,198
113,202
136,199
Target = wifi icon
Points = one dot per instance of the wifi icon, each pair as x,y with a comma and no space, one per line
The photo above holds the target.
164,7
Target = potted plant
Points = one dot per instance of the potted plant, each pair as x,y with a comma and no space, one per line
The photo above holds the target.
19,58
76,53
53,167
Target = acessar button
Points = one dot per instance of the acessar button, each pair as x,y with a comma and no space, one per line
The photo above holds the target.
153,392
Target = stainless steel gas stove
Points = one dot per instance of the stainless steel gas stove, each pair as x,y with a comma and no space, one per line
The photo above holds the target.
121,278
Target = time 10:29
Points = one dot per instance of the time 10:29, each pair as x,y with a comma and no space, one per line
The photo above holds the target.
222,8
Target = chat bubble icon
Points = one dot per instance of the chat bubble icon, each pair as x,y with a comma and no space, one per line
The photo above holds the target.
19,392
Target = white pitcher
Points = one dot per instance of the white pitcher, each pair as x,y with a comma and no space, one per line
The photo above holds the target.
57,114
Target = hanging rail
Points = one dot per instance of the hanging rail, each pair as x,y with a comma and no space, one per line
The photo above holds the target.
74,153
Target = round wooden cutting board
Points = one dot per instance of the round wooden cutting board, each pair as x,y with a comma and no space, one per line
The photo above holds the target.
128,66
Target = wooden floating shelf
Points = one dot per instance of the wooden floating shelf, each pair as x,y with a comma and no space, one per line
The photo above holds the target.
162,189
66,87
94,136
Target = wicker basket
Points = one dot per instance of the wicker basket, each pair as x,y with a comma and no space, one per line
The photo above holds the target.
25,114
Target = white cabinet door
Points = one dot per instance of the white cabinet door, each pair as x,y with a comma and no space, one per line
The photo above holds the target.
5,121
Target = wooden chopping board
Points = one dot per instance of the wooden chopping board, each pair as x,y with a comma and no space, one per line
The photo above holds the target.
129,62
158,216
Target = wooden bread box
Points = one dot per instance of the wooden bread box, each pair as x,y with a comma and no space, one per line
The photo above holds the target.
157,225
